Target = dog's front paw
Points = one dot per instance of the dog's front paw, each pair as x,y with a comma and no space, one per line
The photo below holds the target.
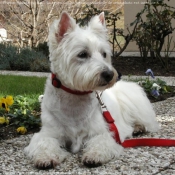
100,149
46,164
45,152
91,163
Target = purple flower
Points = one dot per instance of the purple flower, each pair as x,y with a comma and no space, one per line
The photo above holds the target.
150,72
155,93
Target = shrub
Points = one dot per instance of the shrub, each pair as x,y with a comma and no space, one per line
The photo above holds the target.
151,31
25,58
40,65
8,54
43,47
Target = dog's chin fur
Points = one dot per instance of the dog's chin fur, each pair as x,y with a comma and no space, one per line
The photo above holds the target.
79,57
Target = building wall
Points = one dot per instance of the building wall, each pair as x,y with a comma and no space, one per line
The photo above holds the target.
3,35
131,8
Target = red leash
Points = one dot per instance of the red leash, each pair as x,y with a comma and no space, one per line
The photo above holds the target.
136,142
132,142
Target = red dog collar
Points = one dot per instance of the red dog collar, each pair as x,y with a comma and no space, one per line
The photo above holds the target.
57,83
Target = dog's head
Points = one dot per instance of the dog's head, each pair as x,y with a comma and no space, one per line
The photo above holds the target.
81,57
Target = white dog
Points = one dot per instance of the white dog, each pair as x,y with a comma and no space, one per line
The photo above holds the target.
71,114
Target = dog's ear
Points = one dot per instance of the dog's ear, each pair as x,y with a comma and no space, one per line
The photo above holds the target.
97,23
65,24
102,19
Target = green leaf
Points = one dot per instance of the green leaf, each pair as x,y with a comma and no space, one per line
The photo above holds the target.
11,115
134,22
17,122
149,15
169,89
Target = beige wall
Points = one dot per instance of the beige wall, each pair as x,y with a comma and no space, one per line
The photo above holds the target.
131,8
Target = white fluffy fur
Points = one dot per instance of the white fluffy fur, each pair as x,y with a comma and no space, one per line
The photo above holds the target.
77,119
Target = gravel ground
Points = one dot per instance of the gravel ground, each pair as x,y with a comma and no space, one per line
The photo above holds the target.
133,161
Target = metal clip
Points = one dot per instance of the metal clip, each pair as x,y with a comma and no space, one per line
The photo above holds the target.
98,95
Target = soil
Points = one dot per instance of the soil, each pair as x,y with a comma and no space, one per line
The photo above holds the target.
138,66
9,132
127,66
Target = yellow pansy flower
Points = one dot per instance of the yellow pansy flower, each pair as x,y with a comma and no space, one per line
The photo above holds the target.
21,130
5,102
2,102
4,120
9,100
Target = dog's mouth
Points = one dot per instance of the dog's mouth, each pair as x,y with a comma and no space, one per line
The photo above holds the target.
104,84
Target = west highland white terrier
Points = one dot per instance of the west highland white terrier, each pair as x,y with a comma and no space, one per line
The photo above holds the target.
71,114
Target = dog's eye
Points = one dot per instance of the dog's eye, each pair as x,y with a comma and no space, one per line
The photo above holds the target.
104,54
83,54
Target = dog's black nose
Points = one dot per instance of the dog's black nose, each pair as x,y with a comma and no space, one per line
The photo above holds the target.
107,75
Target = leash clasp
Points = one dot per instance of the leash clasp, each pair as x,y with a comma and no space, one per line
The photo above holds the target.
98,95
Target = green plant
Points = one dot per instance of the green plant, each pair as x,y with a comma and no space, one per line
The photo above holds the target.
154,25
154,87
24,118
24,103
23,112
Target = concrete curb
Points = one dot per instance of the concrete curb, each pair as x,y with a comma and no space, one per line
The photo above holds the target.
169,80
24,73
